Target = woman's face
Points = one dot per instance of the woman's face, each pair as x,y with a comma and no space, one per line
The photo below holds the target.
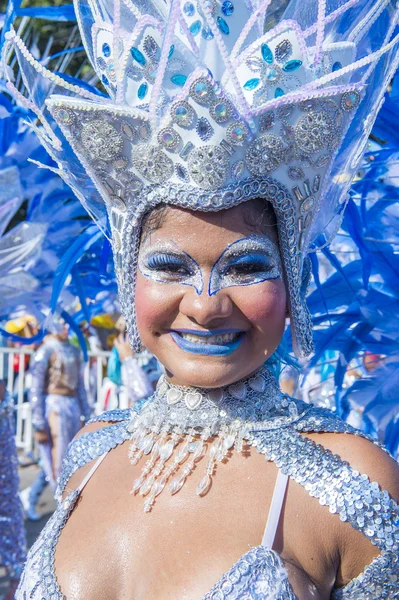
210,297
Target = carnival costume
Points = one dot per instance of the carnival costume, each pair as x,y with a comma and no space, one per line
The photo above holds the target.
57,387
12,531
213,104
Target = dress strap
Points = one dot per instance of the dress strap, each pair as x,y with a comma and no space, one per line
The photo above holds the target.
91,472
275,510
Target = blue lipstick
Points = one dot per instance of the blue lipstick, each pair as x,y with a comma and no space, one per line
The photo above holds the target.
204,348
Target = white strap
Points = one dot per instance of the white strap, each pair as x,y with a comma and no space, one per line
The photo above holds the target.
91,472
275,510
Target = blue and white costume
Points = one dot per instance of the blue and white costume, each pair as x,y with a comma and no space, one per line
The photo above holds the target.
12,530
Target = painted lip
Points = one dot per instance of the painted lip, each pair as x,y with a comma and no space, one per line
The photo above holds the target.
207,349
209,333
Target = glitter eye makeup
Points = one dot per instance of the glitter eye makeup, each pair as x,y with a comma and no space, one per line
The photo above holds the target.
168,264
245,262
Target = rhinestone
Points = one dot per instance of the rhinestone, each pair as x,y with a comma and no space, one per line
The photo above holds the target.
179,79
111,72
106,48
207,33
283,50
237,133
307,205
336,66
142,91
265,154
63,116
153,164
222,25
189,9
129,131
209,166
278,93
204,129
101,63
227,8
201,91
183,114
296,173
137,55
169,138
104,79
350,100
251,84
195,28
314,131
182,172
266,121
101,140
221,111
272,74
186,150
238,169
267,54
292,65
151,47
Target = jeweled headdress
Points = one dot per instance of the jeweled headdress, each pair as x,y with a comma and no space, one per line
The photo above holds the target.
215,102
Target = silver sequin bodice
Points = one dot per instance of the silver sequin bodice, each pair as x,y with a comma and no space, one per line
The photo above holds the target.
259,574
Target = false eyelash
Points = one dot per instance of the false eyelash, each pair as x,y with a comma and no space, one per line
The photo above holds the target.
163,260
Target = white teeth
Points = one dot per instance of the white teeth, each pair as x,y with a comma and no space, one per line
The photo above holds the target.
224,338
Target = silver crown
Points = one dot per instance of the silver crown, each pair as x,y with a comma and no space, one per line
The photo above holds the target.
206,112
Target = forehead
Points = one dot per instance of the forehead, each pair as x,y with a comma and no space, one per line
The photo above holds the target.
206,233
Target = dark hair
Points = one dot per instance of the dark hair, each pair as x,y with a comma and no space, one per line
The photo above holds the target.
258,214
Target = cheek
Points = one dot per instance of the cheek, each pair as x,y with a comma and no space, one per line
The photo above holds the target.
155,303
265,306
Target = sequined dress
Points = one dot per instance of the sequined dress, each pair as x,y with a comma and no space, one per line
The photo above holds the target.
12,531
260,572
57,368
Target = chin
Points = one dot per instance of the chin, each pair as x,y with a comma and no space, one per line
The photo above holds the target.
209,372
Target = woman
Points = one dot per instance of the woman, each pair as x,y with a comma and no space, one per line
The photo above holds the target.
223,153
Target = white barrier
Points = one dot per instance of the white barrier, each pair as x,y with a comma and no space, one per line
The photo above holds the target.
19,383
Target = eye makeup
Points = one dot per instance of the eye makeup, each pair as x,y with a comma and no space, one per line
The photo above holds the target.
166,263
245,262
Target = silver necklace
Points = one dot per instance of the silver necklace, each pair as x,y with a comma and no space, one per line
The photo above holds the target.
180,426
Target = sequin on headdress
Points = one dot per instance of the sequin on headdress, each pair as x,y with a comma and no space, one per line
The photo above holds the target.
212,103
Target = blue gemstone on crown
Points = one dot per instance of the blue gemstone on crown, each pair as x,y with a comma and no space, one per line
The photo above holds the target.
137,55
179,80
267,54
189,9
171,50
195,27
207,33
222,25
278,93
142,91
106,50
204,129
336,66
251,84
227,8
105,80
292,65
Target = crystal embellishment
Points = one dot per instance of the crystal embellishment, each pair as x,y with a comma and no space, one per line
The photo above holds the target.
267,54
283,50
201,91
221,111
204,129
350,100
237,133
183,114
265,154
209,166
137,55
222,25
153,164
227,8
101,140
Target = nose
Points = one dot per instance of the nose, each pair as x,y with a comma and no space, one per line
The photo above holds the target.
204,309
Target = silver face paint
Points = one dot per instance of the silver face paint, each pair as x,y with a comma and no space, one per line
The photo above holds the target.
245,262
165,262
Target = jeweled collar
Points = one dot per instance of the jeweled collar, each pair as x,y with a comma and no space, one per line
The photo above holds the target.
255,401
180,426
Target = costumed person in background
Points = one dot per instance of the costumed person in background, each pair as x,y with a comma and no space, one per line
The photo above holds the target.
132,378
59,408
225,151
12,530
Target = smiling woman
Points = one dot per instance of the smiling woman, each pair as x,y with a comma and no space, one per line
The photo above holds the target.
223,155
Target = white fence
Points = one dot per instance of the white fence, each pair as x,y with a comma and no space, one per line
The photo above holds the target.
18,383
